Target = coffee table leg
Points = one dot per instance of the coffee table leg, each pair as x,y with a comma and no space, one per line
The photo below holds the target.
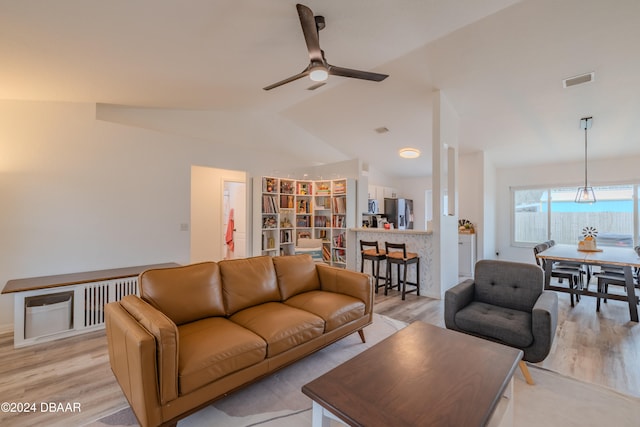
320,417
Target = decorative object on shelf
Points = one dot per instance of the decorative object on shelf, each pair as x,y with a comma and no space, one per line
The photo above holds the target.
585,194
269,222
465,226
588,243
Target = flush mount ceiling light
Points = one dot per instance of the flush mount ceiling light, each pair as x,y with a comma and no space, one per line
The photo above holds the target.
585,193
409,153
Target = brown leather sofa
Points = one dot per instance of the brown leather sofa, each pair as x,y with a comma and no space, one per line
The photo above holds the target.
202,330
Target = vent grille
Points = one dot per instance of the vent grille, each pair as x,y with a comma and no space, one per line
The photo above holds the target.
578,80
98,294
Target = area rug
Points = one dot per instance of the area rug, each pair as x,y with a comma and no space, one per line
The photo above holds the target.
277,401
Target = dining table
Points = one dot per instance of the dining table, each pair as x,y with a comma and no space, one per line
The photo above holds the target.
623,257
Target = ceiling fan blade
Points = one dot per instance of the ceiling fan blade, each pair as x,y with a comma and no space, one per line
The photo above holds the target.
356,74
310,32
287,80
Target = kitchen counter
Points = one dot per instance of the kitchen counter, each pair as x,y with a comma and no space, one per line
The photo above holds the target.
384,230
418,241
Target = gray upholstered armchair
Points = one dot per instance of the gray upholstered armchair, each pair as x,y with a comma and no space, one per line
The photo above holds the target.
505,303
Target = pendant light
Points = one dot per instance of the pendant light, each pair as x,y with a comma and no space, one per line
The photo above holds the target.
585,194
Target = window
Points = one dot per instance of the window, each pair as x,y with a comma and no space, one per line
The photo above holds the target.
550,213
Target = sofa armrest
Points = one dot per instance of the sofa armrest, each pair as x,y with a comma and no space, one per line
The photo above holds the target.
544,321
352,283
455,299
132,355
165,333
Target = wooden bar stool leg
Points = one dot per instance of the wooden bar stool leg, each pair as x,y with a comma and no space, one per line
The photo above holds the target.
418,277
386,282
404,282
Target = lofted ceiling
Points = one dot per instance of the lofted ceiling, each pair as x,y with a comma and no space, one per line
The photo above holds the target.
500,63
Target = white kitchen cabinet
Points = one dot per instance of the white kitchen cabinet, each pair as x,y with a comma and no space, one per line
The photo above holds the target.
466,254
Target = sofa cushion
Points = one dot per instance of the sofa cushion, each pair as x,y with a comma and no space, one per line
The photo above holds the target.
247,282
296,274
214,347
281,326
511,327
335,309
185,293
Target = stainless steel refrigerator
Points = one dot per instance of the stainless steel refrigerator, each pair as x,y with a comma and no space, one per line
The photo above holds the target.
399,212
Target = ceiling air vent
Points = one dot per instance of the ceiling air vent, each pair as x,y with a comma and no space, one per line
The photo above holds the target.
382,129
578,80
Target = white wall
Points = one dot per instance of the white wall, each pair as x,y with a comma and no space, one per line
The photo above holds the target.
207,233
82,194
601,172
414,189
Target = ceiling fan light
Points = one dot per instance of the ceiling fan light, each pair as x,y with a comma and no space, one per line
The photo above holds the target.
318,73
409,153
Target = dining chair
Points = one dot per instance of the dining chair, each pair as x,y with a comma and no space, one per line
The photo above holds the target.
571,274
614,275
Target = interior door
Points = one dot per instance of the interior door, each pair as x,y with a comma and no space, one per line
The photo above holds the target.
235,223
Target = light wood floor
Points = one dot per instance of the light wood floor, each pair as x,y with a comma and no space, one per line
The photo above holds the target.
602,348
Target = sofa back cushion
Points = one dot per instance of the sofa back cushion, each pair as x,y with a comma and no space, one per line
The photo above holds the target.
296,274
184,294
508,284
247,282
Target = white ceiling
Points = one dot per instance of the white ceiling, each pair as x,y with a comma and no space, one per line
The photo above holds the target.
499,62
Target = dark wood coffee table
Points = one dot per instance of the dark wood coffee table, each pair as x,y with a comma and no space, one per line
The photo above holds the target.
422,375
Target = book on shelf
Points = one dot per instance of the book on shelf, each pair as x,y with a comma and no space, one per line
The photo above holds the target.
339,255
269,204
339,204
326,253
286,201
303,221
339,187
339,221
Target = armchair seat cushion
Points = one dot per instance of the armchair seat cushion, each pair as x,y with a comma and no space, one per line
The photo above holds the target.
511,327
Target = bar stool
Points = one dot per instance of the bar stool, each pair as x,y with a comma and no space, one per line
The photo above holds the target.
370,251
397,254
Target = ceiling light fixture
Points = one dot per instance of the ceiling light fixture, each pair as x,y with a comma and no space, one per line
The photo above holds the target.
585,194
409,153
318,73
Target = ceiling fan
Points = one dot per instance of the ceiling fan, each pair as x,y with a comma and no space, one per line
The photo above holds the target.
319,69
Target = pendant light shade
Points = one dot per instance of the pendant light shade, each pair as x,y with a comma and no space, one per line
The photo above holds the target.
585,193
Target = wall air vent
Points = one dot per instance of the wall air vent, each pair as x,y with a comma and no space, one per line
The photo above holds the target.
578,80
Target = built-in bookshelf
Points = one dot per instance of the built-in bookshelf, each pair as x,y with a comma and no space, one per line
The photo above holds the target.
296,209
